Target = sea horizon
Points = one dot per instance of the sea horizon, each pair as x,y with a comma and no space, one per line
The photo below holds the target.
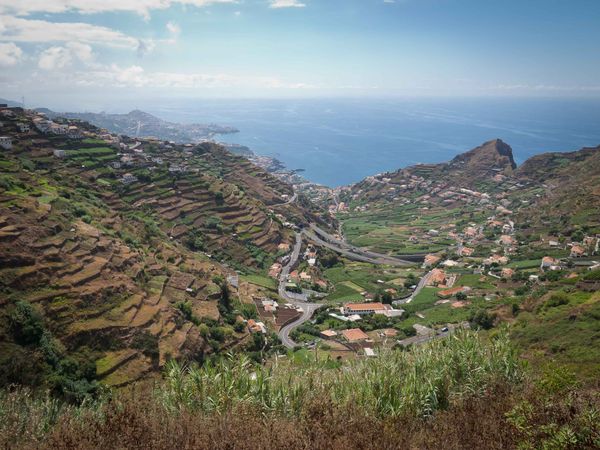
340,141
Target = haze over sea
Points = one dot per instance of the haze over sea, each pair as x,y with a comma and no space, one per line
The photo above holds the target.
341,141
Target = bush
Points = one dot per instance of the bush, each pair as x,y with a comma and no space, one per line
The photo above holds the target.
483,319
557,299
26,323
593,275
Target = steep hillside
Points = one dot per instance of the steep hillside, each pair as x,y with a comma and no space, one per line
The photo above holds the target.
115,252
571,190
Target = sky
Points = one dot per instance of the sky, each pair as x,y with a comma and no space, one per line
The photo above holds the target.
87,52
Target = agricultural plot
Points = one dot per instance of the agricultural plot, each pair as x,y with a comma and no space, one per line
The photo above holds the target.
261,281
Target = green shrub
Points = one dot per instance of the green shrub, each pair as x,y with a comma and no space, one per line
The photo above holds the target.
557,299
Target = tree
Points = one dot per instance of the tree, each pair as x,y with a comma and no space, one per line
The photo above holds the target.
386,298
483,319
26,323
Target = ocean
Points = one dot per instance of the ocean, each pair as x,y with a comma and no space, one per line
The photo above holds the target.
341,141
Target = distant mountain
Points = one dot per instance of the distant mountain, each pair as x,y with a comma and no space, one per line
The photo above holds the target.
550,190
11,103
142,124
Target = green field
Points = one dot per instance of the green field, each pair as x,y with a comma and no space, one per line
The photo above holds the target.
475,281
525,264
259,280
343,293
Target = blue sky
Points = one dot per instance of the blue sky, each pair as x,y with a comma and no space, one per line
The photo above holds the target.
56,51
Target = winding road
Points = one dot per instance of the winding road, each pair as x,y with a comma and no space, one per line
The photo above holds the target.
307,309
324,239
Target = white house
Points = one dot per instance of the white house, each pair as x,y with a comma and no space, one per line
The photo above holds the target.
58,128
74,133
23,127
128,178
59,153
6,142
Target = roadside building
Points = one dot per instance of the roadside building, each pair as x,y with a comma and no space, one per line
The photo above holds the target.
362,309
283,247
507,272
256,327
550,263
431,260
304,276
328,334
354,335
577,251
437,278
275,270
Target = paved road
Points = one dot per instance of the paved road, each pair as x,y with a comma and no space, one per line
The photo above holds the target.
420,285
307,309
291,200
416,340
325,239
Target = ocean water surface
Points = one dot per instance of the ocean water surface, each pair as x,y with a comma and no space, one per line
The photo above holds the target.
341,141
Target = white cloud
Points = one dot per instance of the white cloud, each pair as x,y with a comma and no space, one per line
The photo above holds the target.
54,58
173,28
10,54
286,4
15,29
83,52
114,76
142,7
58,57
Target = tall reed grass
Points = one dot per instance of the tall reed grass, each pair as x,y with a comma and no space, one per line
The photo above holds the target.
395,383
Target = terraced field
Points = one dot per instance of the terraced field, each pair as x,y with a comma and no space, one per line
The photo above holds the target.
117,299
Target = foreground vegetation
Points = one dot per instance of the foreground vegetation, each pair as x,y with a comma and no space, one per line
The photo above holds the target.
477,389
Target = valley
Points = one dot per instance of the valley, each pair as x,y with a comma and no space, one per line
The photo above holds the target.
123,256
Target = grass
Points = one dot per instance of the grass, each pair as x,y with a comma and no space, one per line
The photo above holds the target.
343,293
259,280
525,264
423,300
87,152
475,281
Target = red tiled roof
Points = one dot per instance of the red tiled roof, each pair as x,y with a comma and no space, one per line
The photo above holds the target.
355,334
